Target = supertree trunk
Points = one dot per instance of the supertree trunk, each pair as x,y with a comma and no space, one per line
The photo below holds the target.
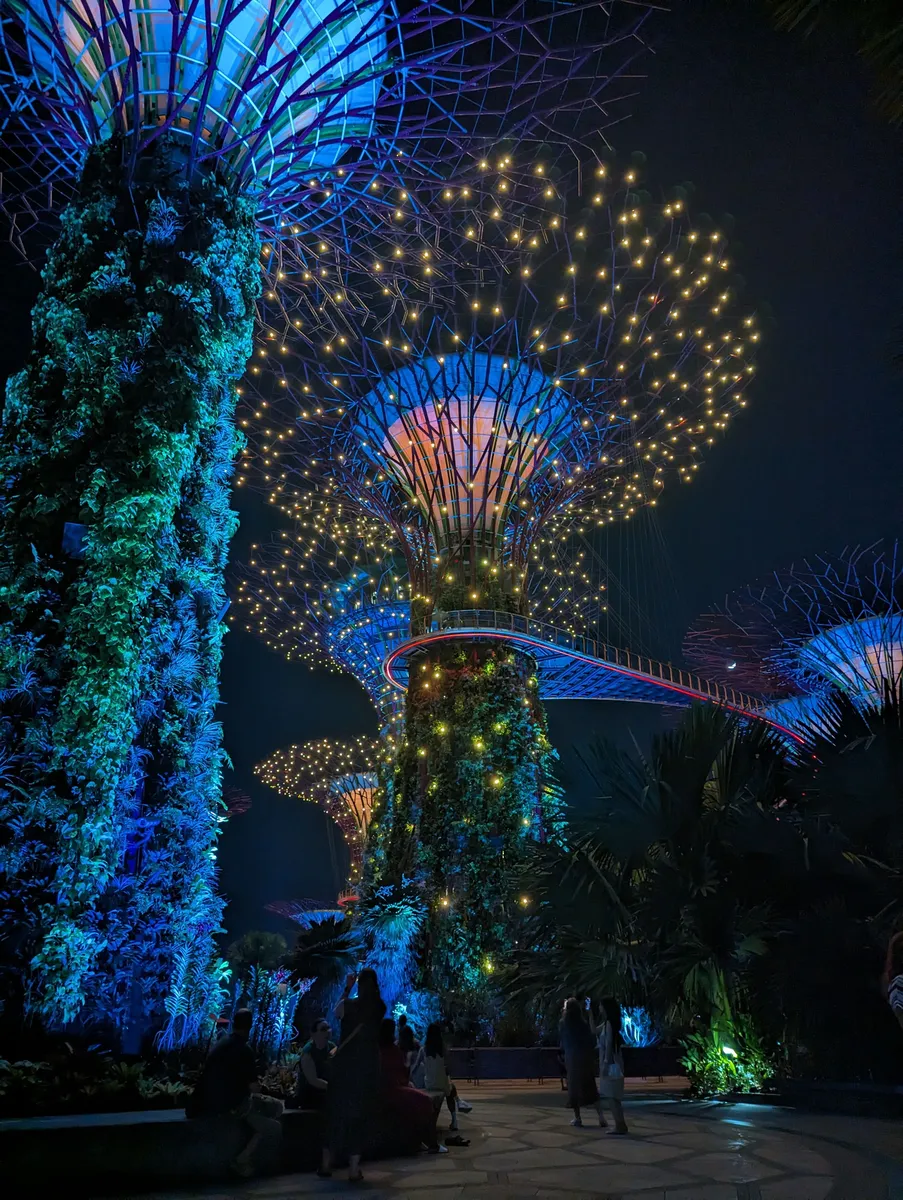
114,455
470,795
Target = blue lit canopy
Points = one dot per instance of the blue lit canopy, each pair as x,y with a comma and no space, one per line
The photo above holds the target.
859,658
463,435
270,86
279,92
829,625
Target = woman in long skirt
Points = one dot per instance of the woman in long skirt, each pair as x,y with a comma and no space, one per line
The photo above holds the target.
354,1078
579,1047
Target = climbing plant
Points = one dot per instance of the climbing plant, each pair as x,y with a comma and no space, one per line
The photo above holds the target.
115,452
470,794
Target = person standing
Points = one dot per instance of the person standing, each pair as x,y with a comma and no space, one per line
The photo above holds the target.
579,1048
611,1063
354,1075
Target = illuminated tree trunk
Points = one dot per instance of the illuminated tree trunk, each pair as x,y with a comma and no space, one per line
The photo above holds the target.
470,795
115,452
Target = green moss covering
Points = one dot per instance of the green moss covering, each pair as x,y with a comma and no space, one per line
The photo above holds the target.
115,453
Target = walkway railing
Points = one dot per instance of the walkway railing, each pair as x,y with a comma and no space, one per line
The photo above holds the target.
554,637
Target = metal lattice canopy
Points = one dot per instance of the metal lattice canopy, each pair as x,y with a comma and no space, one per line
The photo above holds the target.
302,102
339,776
348,606
831,624
528,372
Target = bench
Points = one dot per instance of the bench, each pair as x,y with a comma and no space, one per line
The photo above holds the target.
137,1150
93,1153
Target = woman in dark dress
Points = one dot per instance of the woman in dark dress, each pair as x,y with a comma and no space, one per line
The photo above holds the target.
354,1075
579,1048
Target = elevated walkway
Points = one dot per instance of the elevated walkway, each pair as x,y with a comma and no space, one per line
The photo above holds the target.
572,667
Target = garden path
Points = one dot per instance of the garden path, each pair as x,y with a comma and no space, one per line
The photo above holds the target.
523,1148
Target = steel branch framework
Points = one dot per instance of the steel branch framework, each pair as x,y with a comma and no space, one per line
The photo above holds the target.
475,406
339,776
828,624
280,92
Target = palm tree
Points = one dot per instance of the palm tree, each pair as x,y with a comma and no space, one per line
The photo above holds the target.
692,886
877,28
325,951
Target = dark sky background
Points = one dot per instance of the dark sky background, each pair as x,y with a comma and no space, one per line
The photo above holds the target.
777,131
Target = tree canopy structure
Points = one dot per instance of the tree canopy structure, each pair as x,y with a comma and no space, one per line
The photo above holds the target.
824,626
339,776
562,350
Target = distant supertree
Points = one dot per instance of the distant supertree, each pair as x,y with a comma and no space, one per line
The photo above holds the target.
825,625
340,776
472,413
175,135
335,613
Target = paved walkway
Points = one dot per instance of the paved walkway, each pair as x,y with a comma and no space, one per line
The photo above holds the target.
522,1147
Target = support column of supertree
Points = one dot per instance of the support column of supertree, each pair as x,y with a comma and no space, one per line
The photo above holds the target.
825,627
177,135
472,413
345,605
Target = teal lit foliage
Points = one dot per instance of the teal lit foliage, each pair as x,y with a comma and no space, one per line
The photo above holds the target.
197,993
115,456
639,1028
272,996
726,1057
391,922
470,796
421,1008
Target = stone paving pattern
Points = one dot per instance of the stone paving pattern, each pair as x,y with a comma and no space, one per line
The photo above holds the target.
523,1148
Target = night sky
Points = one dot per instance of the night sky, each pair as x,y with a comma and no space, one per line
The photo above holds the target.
778,132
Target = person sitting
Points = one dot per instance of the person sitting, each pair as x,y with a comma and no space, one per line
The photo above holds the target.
407,1044
228,1086
405,1109
313,1067
437,1084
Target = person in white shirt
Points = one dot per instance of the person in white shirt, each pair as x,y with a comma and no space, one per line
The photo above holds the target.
430,1066
611,1063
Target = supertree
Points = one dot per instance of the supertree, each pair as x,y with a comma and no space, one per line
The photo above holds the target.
334,613
824,626
313,602
175,136
473,413
340,777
